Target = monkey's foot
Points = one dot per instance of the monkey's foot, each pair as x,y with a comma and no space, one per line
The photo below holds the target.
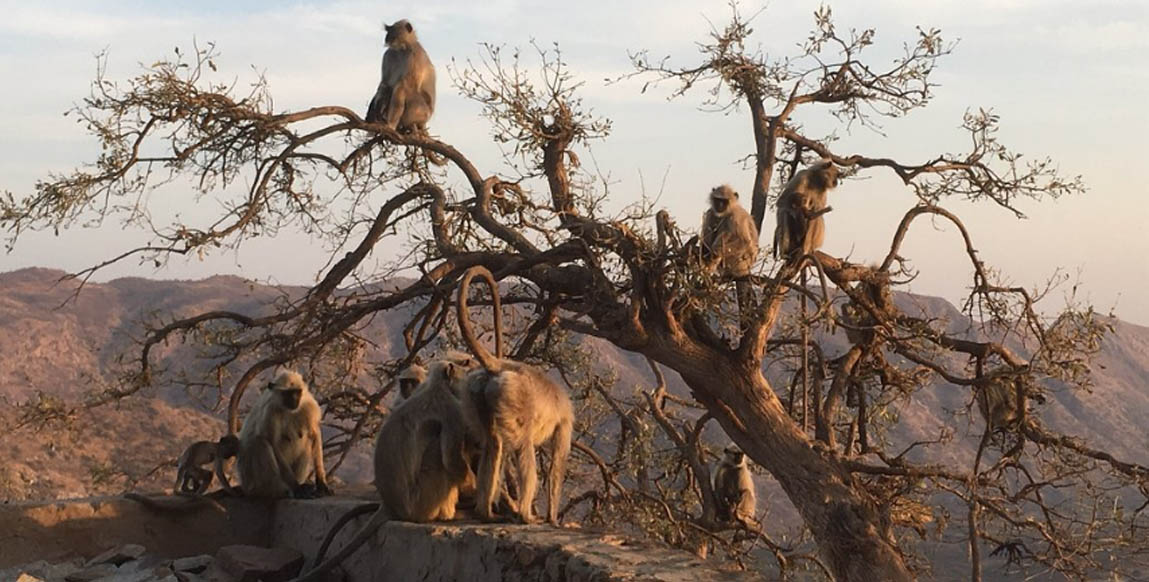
307,491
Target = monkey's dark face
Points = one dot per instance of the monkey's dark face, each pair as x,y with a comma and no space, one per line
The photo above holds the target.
290,397
829,176
733,456
397,32
228,446
720,205
407,386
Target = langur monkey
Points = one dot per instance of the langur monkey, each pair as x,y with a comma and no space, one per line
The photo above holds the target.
405,98
420,462
191,476
801,226
517,407
729,237
730,242
735,499
1001,401
280,446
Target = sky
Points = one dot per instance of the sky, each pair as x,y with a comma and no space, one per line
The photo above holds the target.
1067,79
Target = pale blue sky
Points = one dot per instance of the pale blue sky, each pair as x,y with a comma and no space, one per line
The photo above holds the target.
1067,78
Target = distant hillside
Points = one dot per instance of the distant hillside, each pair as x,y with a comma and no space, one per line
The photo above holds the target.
56,350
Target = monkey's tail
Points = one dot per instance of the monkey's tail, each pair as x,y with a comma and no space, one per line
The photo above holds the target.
342,521
378,519
490,363
175,503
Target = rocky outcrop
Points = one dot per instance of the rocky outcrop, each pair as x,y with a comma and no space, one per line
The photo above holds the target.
253,540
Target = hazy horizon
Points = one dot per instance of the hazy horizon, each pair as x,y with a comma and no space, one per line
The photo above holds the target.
1065,78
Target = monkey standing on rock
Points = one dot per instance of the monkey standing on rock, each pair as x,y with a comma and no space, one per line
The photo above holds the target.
192,478
517,407
421,462
405,99
801,227
734,489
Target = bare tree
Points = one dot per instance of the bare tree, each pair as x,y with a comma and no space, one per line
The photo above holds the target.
630,280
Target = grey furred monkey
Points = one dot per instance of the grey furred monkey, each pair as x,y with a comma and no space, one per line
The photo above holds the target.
192,477
801,226
420,463
405,98
729,238
1001,399
517,407
280,446
735,499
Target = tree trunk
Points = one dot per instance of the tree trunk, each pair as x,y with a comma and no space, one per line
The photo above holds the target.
842,517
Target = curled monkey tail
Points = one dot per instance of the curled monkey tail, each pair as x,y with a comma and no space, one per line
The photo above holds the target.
490,363
317,573
342,521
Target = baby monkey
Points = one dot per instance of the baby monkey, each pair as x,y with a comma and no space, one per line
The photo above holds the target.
193,478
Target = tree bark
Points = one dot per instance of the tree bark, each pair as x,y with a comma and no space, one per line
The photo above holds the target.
849,530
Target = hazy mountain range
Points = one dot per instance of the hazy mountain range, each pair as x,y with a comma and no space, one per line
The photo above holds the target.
57,348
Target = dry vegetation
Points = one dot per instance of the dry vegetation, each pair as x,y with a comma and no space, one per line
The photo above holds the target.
1045,501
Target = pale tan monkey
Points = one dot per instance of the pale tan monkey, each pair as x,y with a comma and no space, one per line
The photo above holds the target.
517,407
734,494
280,445
729,238
801,226
420,462
405,99
192,477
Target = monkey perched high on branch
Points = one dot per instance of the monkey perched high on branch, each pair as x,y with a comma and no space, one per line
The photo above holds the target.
729,238
405,99
801,226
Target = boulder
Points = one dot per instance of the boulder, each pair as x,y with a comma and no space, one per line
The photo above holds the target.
256,564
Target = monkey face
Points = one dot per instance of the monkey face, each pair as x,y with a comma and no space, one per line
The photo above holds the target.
734,456
228,446
397,31
829,175
407,386
720,205
290,397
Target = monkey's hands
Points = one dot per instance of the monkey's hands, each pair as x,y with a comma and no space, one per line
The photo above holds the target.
322,490
816,213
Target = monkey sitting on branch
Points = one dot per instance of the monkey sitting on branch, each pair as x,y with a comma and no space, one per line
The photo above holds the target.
192,478
729,237
729,242
734,496
405,99
517,407
280,446
1001,399
801,227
